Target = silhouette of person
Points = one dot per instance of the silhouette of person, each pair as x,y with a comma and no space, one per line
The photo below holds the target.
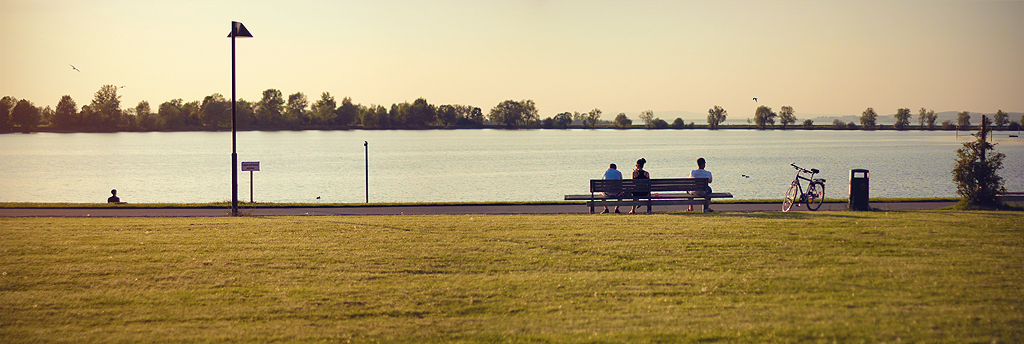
113,197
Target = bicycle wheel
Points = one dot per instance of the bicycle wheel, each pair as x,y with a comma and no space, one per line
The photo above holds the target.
815,195
791,196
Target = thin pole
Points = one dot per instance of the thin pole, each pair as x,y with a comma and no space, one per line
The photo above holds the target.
366,152
234,153
250,188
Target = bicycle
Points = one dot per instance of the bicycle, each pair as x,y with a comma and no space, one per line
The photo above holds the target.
815,190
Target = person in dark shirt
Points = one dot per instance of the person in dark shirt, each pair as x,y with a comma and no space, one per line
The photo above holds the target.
113,197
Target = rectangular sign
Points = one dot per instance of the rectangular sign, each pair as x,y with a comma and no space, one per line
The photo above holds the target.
251,166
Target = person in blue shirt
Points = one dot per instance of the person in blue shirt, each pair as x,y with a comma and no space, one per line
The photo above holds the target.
612,173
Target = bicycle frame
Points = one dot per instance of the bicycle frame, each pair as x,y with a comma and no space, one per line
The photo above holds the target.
814,195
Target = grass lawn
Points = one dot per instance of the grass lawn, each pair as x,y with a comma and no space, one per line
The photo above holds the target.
922,276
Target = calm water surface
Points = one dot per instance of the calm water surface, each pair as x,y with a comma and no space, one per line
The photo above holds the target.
467,165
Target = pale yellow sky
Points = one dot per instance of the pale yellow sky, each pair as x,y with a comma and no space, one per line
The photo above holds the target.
820,57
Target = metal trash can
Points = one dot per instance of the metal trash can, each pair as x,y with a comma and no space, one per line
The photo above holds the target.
859,190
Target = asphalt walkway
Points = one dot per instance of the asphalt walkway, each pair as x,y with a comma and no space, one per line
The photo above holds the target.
425,210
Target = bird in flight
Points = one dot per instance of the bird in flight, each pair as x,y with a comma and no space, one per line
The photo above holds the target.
76,69
755,100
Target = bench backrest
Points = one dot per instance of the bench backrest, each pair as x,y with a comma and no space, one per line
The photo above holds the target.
648,185
679,184
620,185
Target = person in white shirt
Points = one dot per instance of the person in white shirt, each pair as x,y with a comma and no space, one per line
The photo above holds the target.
700,172
612,173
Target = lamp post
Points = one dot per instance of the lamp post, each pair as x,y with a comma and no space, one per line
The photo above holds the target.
237,30
366,154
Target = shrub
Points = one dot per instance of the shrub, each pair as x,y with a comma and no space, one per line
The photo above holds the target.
975,171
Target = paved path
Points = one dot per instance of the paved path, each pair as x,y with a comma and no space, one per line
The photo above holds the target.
423,210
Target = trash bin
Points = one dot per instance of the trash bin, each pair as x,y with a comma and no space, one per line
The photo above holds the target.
859,190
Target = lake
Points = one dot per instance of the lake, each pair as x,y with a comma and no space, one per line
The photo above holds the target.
467,165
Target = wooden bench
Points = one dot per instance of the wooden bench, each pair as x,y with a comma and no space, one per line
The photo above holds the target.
673,191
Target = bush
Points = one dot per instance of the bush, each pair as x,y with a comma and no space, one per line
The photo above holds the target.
975,172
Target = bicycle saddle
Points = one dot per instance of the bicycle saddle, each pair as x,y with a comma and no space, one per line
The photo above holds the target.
815,171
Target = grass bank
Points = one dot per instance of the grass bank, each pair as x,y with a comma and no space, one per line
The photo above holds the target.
924,276
328,205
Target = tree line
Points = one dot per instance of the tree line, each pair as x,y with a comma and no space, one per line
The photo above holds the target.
764,118
275,112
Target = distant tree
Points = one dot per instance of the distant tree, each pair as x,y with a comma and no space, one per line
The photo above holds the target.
347,113
902,119
446,115
106,107
295,110
1001,119
374,117
562,120
593,116
921,116
786,116
170,114
764,117
547,123
270,110
927,118
25,116
7,104
46,116
215,111
716,116
192,112
419,114
838,124
975,172
808,123
579,117
64,116
963,120
660,123
648,118
511,113
145,118
322,111
851,126
679,123
948,125
1013,126
470,116
868,119
622,121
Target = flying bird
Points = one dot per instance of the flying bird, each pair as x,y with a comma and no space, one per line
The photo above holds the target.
73,67
745,176
755,100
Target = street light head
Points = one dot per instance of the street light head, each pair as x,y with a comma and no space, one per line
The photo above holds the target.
238,30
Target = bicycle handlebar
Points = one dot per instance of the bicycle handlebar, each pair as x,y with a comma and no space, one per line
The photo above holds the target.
801,169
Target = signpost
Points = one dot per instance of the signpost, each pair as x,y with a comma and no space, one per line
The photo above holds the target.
250,166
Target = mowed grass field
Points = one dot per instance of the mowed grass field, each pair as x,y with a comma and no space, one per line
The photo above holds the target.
921,276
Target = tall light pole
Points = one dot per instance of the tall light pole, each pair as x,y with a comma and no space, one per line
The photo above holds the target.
237,30
366,153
